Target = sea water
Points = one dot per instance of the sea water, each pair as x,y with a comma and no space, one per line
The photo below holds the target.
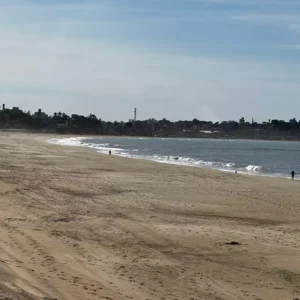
269,158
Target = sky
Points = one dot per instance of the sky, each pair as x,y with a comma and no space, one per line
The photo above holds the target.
176,59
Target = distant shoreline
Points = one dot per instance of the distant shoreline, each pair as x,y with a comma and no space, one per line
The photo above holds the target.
89,134
154,137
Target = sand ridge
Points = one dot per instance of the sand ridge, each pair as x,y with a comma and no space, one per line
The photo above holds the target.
75,224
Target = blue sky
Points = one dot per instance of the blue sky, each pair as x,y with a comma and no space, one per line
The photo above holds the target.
206,59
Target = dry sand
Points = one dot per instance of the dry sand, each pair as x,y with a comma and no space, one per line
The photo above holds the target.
75,224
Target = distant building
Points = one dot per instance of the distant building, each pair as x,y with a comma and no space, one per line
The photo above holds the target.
40,114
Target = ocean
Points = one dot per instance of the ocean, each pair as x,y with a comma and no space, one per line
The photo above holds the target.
266,158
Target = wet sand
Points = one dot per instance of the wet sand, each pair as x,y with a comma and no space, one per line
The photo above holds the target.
75,224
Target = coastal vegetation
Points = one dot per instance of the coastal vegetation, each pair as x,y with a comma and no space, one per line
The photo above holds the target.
16,118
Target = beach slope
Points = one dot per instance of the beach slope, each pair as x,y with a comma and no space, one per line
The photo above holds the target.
75,224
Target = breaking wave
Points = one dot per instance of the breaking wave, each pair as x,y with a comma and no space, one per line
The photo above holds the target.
144,154
252,168
81,142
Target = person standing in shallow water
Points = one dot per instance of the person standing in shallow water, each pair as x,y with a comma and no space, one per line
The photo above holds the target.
293,174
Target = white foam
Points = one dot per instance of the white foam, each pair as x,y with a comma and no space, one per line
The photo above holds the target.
79,142
253,168
74,141
188,161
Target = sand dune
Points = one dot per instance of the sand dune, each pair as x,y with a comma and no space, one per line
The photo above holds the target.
78,225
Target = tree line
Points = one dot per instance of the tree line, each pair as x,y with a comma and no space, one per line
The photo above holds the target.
91,124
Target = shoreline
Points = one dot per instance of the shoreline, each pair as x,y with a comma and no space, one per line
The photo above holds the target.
170,162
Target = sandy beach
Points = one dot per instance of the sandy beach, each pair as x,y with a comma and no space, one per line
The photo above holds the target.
75,224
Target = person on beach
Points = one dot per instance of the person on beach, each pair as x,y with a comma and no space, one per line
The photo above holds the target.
293,174
109,152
